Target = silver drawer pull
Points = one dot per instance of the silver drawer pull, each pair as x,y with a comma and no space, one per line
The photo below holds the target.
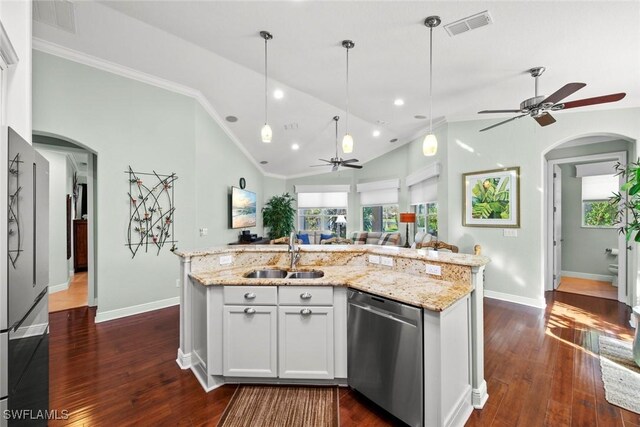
250,295
305,312
250,310
305,295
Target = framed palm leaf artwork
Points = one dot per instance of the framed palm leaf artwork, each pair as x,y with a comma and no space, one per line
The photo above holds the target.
491,198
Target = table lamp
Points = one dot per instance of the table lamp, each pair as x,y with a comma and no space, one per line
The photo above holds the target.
340,220
407,217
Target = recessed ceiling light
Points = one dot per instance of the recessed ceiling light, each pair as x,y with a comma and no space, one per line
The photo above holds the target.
398,102
376,133
231,119
263,162
295,146
419,117
393,140
278,94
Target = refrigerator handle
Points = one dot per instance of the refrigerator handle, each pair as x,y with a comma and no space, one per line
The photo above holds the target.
35,231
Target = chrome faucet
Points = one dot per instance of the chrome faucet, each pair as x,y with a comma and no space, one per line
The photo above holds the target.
294,250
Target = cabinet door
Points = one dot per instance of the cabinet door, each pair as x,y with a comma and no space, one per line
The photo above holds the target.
250,341
305,342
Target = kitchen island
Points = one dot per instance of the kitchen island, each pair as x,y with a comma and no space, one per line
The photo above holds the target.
283,330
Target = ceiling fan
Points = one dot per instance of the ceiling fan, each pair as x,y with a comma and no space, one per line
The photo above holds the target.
336,161
539,107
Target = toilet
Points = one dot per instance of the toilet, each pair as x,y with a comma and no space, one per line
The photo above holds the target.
613,268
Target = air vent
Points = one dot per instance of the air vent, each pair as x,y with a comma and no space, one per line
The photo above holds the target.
291,126
57,13
469,23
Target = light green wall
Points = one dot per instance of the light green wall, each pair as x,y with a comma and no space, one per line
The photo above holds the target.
129,123
582,248
397,163
517,264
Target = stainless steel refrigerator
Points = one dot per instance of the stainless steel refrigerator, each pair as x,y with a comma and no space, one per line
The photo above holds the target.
24,324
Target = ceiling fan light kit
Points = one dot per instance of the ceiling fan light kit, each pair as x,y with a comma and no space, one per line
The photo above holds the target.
347,140
540,106
266,133
430,142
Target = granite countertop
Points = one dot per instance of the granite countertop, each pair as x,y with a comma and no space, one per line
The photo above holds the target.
421,254
425,292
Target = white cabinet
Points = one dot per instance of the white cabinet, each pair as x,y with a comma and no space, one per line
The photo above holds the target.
305,342
250,341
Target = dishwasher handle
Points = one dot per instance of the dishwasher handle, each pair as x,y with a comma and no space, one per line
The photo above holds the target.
385,314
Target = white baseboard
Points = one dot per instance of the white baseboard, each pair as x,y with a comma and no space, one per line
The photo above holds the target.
600,277
183,360
59,288
532,302
135,309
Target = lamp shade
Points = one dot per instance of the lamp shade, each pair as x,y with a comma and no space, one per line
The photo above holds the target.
266,133
430,145
341,219
347,143
407,217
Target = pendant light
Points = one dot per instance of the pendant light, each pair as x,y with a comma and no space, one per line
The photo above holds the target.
430,142
347,140
266,132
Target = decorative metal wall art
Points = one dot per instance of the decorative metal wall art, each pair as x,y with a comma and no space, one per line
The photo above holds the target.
15,239
151,211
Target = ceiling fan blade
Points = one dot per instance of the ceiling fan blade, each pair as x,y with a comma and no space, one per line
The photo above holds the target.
545,119
592,101
350,161
563,92
352,166
503,122
317,166
497,111
323,160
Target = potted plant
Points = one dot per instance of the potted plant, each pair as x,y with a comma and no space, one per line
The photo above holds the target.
278,215
630,209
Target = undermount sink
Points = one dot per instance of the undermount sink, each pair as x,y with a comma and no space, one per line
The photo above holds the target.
267,274
315,274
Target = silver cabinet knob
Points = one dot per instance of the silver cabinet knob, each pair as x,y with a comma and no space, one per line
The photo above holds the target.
250,295
250,310
305,312
305,295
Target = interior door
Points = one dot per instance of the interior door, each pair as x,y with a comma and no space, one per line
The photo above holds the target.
557,225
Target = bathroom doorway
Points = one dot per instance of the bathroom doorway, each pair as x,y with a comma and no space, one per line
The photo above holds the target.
586,253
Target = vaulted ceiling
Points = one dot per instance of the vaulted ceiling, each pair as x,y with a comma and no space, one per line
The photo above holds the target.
214,47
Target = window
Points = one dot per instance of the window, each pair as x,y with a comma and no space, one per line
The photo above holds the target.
427,218
596,209
380,218
319,219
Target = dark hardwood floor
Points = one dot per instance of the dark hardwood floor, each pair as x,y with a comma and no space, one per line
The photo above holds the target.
541,369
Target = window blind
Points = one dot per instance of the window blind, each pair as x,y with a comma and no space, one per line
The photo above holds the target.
379,192
599,187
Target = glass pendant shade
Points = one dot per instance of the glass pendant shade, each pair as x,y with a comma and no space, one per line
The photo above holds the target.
347,143
430,145
266,133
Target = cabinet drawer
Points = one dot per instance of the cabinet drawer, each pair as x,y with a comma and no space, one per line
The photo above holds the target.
306,295
251,295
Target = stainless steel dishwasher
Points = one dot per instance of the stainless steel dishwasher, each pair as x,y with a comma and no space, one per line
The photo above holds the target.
385,354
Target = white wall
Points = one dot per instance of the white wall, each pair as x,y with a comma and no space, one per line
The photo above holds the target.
58,266
126,122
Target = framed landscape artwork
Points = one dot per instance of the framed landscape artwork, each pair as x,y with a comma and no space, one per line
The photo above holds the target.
491,198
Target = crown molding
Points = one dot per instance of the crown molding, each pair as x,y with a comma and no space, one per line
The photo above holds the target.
130,73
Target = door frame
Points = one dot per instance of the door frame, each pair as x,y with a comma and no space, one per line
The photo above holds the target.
620,156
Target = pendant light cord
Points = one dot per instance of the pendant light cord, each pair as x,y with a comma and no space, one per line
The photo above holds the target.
431,80
336,137
265,82
347,118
